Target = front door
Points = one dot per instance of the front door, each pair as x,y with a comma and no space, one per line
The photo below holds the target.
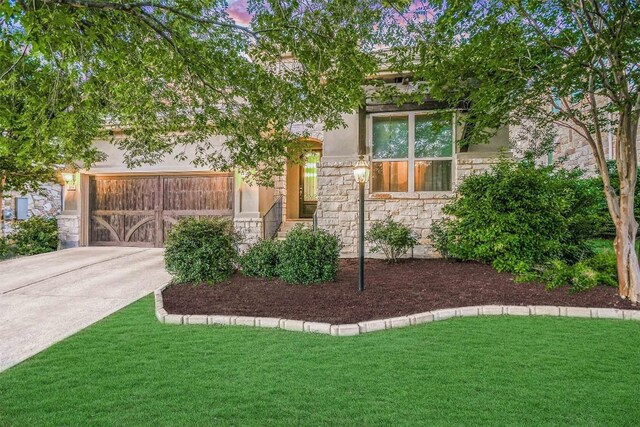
309,184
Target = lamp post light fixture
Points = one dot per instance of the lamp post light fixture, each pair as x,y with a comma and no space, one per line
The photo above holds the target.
361,174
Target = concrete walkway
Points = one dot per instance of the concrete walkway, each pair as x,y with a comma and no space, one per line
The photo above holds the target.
46,298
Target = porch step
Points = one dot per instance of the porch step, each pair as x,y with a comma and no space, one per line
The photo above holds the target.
289,224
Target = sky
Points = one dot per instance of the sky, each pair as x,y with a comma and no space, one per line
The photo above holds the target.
238,11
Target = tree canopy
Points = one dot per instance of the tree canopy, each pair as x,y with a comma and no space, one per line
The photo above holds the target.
173,73
572,64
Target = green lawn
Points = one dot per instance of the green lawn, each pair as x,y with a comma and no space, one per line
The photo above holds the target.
130,370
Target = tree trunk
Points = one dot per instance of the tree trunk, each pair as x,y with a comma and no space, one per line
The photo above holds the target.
625,246
625,221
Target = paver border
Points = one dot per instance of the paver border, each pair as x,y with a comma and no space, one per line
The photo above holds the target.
369,326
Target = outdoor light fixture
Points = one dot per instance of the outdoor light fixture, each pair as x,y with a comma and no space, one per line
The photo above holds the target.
69,181
361,174
361,171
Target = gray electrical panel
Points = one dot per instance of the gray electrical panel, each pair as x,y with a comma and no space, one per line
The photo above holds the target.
22,208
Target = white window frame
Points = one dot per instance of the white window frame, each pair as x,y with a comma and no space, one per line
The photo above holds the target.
411,159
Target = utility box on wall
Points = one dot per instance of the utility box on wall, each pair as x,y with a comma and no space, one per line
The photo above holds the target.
22,208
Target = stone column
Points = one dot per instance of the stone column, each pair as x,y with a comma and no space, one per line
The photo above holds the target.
69,219
246,218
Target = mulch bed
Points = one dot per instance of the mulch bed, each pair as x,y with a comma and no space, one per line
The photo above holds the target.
408,287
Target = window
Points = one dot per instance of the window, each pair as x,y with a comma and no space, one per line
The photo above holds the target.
412,152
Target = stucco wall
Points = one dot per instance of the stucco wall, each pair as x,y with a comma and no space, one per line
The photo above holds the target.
115,163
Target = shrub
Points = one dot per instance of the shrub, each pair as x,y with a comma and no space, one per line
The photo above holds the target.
308,256
5,248
583,275
518,216
261,260
202,250
605,264
556,274
35,235
392,238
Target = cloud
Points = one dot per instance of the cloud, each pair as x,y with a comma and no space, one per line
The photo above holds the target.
237,10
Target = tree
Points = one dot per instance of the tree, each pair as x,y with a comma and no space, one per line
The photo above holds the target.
173,73
571,63
46,124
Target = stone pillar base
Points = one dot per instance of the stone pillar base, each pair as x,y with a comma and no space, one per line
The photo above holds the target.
251,230
69,231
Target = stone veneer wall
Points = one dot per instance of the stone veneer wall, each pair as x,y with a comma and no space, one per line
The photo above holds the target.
46,203
338,204
250,229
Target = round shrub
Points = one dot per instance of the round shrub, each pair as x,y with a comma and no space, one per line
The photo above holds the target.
519,216
308,256
202,250
35,235
261,260
392,238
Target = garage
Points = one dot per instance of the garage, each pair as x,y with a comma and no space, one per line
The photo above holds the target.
140,210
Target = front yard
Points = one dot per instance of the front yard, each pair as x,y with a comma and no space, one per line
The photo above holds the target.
131,370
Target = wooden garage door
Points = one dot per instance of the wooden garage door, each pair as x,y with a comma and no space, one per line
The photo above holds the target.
140,210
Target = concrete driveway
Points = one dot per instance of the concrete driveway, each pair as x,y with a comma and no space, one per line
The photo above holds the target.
46,298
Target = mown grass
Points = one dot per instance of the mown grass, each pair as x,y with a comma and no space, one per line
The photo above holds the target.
130,370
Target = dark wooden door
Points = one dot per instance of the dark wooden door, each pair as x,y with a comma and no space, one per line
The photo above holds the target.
140,210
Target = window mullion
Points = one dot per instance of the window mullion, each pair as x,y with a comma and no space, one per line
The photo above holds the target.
411,150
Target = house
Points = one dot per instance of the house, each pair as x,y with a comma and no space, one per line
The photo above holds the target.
415,167
415,162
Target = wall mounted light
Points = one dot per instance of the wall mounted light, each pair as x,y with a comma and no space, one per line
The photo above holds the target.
69,181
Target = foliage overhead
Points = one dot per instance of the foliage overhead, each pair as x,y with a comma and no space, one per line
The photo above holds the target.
170,74
509,60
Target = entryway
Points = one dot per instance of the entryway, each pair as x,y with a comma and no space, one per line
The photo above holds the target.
302,184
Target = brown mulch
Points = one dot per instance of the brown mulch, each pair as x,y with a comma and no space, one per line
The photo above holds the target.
408,287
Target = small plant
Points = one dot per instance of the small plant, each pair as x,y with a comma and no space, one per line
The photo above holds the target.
584,277
556,274
5,248
35,235
606,266
261,260
599,269
308,256
392,238
202,250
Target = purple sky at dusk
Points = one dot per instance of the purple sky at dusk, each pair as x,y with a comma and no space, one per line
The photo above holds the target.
238,11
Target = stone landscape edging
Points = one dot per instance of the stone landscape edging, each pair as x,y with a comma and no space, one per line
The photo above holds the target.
368,326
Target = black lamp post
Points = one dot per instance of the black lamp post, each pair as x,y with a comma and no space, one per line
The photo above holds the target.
361,174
